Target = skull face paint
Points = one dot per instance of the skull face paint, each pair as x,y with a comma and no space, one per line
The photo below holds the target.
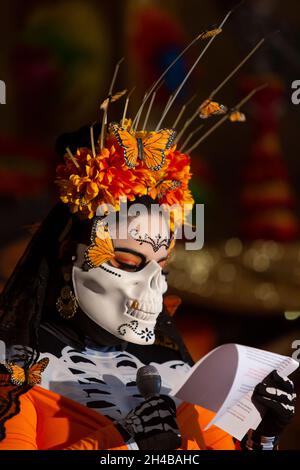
125,302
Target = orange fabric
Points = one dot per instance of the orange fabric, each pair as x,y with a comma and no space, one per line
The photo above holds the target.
192,420
49,421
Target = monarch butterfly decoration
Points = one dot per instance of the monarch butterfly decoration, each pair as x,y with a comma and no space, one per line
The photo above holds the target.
31,376
111,99
163,187
150,149
237,116
211,108
211,33
101,250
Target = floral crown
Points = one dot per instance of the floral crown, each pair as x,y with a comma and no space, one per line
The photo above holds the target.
126,162
117,172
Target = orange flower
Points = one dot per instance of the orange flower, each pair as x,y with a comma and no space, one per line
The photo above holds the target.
105,179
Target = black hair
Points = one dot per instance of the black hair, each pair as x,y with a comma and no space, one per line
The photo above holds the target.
30,294
36,279
74,140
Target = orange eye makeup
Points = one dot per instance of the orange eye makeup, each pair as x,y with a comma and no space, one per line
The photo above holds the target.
130,260
127,260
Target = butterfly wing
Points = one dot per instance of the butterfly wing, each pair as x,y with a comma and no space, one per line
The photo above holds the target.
237,116
211,33
101,250
154,147
35,371
98,254
111,99
17,373
128,143
211,108
165,186
118,95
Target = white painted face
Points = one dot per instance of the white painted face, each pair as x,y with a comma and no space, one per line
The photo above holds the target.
125,296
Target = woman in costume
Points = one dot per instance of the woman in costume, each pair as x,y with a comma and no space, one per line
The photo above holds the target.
83,311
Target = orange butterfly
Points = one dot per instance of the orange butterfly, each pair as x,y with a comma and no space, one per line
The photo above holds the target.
112,99
162,187
31,376
101,249
150,149
211,33
237,116
211,108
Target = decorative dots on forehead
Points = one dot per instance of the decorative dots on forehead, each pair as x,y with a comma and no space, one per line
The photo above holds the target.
157,242
151,229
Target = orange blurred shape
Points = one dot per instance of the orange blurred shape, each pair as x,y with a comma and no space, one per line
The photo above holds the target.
171,303
198,336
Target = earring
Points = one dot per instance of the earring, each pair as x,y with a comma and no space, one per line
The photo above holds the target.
66,303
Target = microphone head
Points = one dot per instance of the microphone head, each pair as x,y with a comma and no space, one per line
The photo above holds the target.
148,381
146,370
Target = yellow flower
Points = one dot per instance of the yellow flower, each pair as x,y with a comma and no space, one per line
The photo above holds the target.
105,178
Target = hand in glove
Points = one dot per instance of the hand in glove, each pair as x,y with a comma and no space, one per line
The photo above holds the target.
275,399
153,424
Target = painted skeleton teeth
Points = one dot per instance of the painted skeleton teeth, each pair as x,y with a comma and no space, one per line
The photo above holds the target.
140,315
141,311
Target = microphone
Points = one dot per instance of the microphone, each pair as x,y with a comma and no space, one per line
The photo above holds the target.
148,381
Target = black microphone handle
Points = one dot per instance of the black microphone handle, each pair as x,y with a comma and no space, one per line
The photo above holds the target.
148,382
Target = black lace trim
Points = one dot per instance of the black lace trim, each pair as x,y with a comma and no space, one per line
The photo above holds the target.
9,401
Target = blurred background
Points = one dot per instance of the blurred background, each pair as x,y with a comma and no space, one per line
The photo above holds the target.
57,59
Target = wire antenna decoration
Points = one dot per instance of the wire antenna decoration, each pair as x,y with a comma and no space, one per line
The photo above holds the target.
2,92
129,159
217,108
233,111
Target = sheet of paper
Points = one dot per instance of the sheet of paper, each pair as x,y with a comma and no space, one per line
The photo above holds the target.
238,419
254,365
229,374
210,380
